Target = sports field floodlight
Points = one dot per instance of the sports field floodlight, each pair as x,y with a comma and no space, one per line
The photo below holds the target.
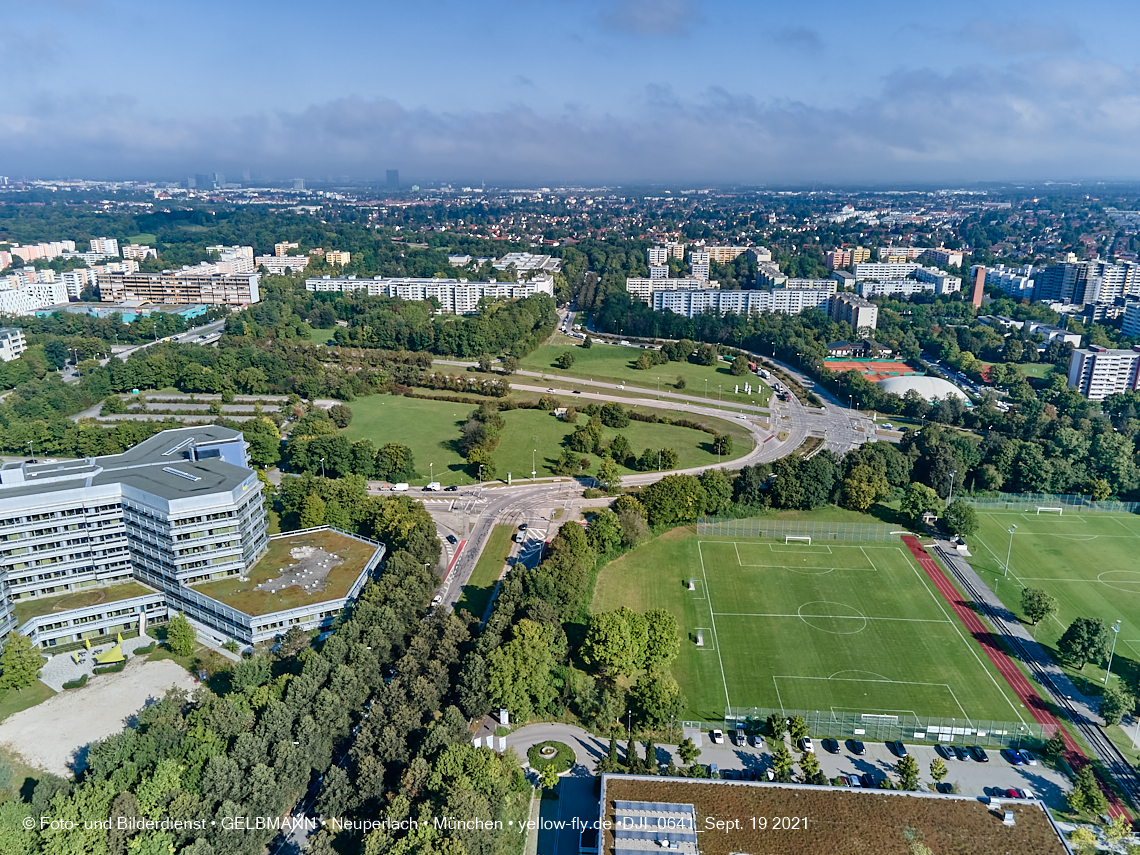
1012,529
1115,633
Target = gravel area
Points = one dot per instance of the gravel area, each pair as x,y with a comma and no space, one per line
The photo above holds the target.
55,734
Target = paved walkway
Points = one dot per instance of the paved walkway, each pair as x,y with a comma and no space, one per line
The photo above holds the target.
62,668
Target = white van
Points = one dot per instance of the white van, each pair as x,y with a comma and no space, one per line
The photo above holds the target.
433,487
402,487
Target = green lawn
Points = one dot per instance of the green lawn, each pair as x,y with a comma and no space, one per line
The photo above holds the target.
322,335
30,608
614,363
147,239
827,626
1087,561
14,701
477,592
1039,370
432,428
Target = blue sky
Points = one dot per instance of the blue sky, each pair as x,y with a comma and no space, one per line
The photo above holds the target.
530,91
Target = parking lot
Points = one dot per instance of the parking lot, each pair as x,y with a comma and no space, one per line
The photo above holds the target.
972,777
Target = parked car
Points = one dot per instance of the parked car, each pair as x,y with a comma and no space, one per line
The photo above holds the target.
868,780
806,745
717,737
945,752
1013,757
960,752
897,748
714,770
853,781
437,599
451,488
979,754
522,526
1029,759
831,746
856,747
757,741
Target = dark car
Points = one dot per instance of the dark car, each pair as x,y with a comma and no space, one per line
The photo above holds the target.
451,488
831,746
451,538
897,748
960,752
944,752
979,754
856,747
576,392
867,780
522,526
1013,757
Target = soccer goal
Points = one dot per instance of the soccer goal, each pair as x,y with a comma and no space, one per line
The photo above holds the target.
1057,511
800,537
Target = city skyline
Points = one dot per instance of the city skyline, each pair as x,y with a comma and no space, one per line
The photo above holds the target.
586,91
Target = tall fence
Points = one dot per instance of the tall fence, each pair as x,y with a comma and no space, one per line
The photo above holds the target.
778,529
1032,501
877,727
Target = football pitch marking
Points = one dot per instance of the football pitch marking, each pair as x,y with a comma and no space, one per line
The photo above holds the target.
872,673
879,710
712,616
946,686
707,646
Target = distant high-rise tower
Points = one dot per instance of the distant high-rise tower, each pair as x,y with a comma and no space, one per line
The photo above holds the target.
202,182
298,183
979,285
393,176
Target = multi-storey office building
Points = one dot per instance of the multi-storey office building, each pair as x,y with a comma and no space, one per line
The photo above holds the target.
455,296
182,287
180,508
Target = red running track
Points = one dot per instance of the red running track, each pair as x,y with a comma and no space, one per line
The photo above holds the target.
1021,686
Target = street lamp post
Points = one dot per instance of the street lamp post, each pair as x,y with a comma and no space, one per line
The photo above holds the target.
322,467
533,471
950,498
628,733
719,396
1012,529
706,387
431,470
1115,633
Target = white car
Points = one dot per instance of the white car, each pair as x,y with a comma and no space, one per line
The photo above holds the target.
549,390
742,417
437,599
717,737
806,745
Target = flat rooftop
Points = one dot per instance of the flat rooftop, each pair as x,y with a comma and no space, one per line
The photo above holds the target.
297,570
838,822
38,606
164,465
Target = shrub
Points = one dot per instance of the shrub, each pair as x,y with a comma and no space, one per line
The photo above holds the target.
76,684
110,669
562,760
142,651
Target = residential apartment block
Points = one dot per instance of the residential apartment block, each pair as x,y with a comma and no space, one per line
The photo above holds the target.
282,249
725,254
885,269
279,265
139,251
105,246
862,314
699,265
28,289
642,289
338,257
185,286
1131,323
455,296
691,303
12,343
43,251
1018,282
1097,372
846,257
1087,282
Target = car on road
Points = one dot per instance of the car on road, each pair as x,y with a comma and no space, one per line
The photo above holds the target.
451,488
451,538
576,392
549,390
522,526
742,417
856,747
960,752
1029,759
888,426
436,600
944,752
897,748
717,737
979,754
806,745
831,746
1013,757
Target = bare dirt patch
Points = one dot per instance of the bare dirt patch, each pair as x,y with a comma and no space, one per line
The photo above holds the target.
55,734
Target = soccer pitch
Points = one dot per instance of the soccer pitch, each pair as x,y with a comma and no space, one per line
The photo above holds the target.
1090,562
846,627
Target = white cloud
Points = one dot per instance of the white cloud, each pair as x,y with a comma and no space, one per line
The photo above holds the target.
651,17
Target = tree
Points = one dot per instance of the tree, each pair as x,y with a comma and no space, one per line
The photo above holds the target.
809,765
907,770
21,662
634,529
782,763
673,499
662,641
938,770
312,511
565,360
609,477
1037,604
604,531
798,728
651,767
1114,703
587,343
776,725
863,486
395,462
1086,640
548,777
1082,840
961,518
1055,747
918,499
180,636
614,415
688,752
679,383
657,697
739,366
1086,796
616,641
518,672
341,415
722,444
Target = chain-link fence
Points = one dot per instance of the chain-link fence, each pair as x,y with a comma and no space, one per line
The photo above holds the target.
778,529
877,727
1033,501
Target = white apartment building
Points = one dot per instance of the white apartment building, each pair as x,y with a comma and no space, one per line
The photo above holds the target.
282,249
279,265
12,343
760,253
455,296
43,251
528,263
885,269
642,289
105,246
1131,324
658,262
28,289
768,275
1097,372
76,280
699,265
855,310
185,286
691,303
139,251
893,254
943,282
1018,282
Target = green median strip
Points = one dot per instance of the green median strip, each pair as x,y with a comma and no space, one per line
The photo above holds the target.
477,592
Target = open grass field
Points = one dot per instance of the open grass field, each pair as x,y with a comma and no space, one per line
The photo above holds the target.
615,363
142,239
322,335
1038,370
827,626
15,700
477,592
27,609
246,596
1089,562
432,429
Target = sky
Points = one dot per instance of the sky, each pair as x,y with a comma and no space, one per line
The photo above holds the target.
544,92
